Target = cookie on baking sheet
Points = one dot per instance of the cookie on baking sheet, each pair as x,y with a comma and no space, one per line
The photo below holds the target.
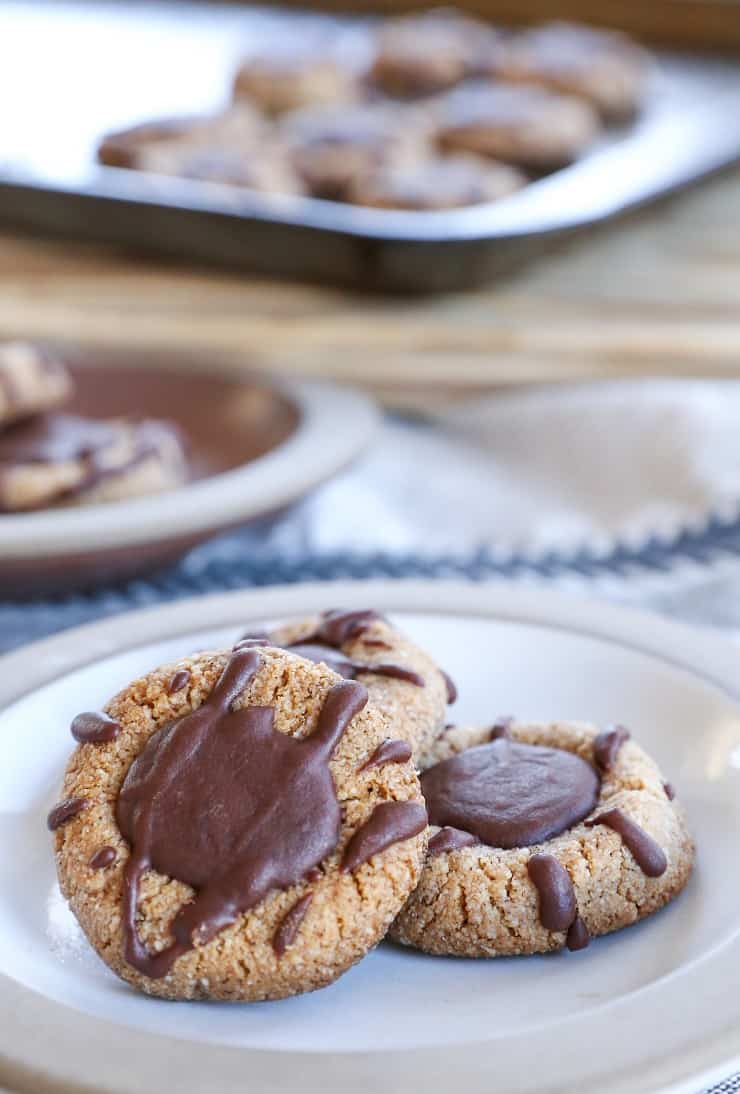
520,124
32,380
403,681
241,126
64,459
421,54
282,80
439,182
541,837
265,168
605,67
237,826
332,147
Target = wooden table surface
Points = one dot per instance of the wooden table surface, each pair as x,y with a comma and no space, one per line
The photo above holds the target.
657,293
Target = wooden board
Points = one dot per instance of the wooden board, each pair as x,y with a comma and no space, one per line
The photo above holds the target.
657,293
697,24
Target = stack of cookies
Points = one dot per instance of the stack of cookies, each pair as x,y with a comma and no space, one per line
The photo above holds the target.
442,111
50,457
247,824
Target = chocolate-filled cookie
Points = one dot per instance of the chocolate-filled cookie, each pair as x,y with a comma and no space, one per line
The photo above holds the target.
403,681
604,67
527,126
437,182
333,147
237,826
282,80
32,380
418,55
64,459
542,836
266,168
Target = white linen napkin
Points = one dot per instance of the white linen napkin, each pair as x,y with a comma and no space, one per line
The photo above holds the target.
539,470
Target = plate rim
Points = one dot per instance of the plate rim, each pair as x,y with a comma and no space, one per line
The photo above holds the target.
699,651
344,419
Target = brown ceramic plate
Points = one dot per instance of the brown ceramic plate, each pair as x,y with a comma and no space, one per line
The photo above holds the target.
255,448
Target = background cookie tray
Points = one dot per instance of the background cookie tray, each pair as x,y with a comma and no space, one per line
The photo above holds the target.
102,66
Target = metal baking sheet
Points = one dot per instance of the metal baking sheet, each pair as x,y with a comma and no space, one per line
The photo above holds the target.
70,72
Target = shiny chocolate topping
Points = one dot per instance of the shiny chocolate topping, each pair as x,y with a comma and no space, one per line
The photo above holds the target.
324,645
578,937
450,686
285,935
102,858
607,745
222,801
389,752
180,680
558,907
501,728
648,855
450,839
64,811
350,669
94,727
509,794
335,627
389,823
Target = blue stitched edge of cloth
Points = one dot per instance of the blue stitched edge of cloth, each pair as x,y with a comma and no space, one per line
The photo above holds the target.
240,560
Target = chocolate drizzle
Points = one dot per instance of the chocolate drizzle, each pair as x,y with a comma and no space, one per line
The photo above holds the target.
290,925
648,855
670,792
558,907
450,686
179,680
324,645
335,628
102,858
607,745
350,669
94,727
510,794
389,823
389,752
222,801
501,728
578,937
450,839
64,812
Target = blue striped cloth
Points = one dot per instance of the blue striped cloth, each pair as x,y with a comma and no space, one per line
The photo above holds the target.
249,558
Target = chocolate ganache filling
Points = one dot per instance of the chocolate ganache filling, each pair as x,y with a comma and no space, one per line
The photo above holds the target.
508,794
221,800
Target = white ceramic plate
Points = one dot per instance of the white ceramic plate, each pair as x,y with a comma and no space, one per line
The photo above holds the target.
653,1007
